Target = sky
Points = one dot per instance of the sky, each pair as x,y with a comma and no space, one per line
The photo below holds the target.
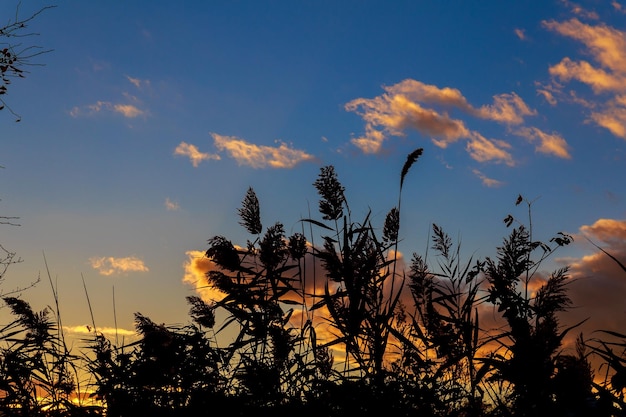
145,123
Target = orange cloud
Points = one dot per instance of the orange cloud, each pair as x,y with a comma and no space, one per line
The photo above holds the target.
551,144
598,286
520,33
196,267
424,108
607,46
611,231
506,108
598,79
128,110
191,151
612,117
580,11
257,156
547,95
110,265
482,149
488,182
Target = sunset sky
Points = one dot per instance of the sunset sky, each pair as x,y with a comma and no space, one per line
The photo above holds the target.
149,120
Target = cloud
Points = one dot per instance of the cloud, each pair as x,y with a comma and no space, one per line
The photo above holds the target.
110,265
506,108
130,109
106,331
258,156
488,182
191,151
550,144
482,149
137,82
127,110
520,33
598,79
411,104
610,231
607,75
196,267
598,285
613,116
171,205
134,81
547,95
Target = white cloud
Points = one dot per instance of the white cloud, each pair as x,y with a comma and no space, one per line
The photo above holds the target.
112,266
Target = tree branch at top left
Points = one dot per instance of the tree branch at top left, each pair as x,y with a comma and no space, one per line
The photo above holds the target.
15,54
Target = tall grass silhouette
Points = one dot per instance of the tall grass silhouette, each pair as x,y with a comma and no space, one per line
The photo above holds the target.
335,328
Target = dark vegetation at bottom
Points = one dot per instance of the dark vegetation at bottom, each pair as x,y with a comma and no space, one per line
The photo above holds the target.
333,325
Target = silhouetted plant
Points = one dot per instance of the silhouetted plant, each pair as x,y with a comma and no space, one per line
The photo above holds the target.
271,359
443,336
170,371
363,296
612,352
37,374
530,358
431,358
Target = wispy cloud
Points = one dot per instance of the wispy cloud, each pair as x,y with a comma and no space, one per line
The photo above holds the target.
171,205
605,76
112,266
482,149
194,155
547,143
547,95
577,9
260,156
106,331
488,182
412,104
138,82
613,116
130,111
520,33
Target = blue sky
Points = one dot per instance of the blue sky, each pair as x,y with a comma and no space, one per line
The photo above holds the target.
148,121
